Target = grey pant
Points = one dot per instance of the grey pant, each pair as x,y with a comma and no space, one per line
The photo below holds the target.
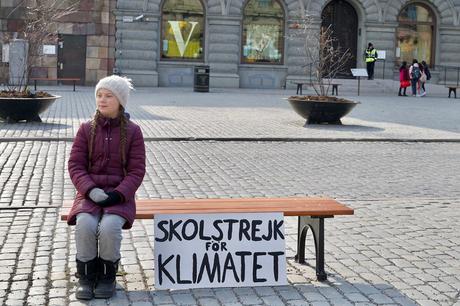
92,230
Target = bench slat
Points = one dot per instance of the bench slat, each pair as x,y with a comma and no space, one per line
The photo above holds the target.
146,209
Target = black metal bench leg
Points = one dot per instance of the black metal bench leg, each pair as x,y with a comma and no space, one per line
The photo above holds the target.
35,85
74,85
302,230
317,227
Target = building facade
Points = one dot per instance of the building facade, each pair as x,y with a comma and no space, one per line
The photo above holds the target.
248,43
84,47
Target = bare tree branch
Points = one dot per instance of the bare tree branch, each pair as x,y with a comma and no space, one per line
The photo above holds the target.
40,27
322,52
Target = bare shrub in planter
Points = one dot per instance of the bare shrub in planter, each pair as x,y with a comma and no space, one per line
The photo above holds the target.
325,59
40,18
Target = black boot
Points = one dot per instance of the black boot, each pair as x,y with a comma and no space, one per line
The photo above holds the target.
399,94
106,274
87,279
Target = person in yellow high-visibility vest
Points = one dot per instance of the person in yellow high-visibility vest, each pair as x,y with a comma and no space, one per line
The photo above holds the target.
370,57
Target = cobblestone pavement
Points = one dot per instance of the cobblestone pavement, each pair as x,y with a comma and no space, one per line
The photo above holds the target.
228,113
401,247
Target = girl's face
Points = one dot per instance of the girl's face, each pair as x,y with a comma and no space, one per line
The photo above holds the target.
107,103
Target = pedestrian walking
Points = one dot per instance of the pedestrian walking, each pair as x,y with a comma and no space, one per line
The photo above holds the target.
415,74
404,79
370,58
106,165
427,73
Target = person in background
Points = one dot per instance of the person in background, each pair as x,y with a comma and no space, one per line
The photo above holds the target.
370,57
421,81
404,79
415,74
427,72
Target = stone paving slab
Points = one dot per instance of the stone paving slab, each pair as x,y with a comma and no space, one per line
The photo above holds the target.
228,113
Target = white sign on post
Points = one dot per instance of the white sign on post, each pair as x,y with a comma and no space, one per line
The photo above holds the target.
381,54
219,250
359,72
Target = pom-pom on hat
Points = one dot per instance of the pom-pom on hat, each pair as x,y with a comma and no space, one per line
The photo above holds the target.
119,86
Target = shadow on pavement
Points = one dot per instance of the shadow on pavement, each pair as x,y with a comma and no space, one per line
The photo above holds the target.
339,288
337,128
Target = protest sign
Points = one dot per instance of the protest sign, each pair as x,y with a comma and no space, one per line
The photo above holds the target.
219,250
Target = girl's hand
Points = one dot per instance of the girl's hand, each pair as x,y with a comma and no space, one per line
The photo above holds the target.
97,195
112,199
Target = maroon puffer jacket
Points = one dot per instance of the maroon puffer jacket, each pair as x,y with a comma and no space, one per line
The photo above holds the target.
106,170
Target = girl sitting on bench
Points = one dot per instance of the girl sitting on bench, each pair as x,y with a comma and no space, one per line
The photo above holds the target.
106,165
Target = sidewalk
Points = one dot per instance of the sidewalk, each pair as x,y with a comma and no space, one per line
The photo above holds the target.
395,161
171,113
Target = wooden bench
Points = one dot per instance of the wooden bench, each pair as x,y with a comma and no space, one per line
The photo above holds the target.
74,80
453,88
335,87
311,213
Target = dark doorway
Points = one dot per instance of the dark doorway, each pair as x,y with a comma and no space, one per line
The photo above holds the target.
72,57
344,20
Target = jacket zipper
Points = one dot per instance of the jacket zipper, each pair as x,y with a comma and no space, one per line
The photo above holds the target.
109,132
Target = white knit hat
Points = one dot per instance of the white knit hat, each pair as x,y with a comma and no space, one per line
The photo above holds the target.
119,86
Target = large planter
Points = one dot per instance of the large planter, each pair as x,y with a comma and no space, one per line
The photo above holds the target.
17,109
316,109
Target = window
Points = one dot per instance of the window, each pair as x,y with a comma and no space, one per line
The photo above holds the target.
415,34
263,32
182,30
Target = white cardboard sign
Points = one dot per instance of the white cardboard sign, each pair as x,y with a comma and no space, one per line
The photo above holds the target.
219,250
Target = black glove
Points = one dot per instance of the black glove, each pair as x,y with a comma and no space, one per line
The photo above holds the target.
113,199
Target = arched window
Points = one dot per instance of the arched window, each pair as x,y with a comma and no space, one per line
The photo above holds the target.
416,34
182,36
263,32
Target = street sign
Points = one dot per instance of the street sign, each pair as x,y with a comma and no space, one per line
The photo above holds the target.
359,72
